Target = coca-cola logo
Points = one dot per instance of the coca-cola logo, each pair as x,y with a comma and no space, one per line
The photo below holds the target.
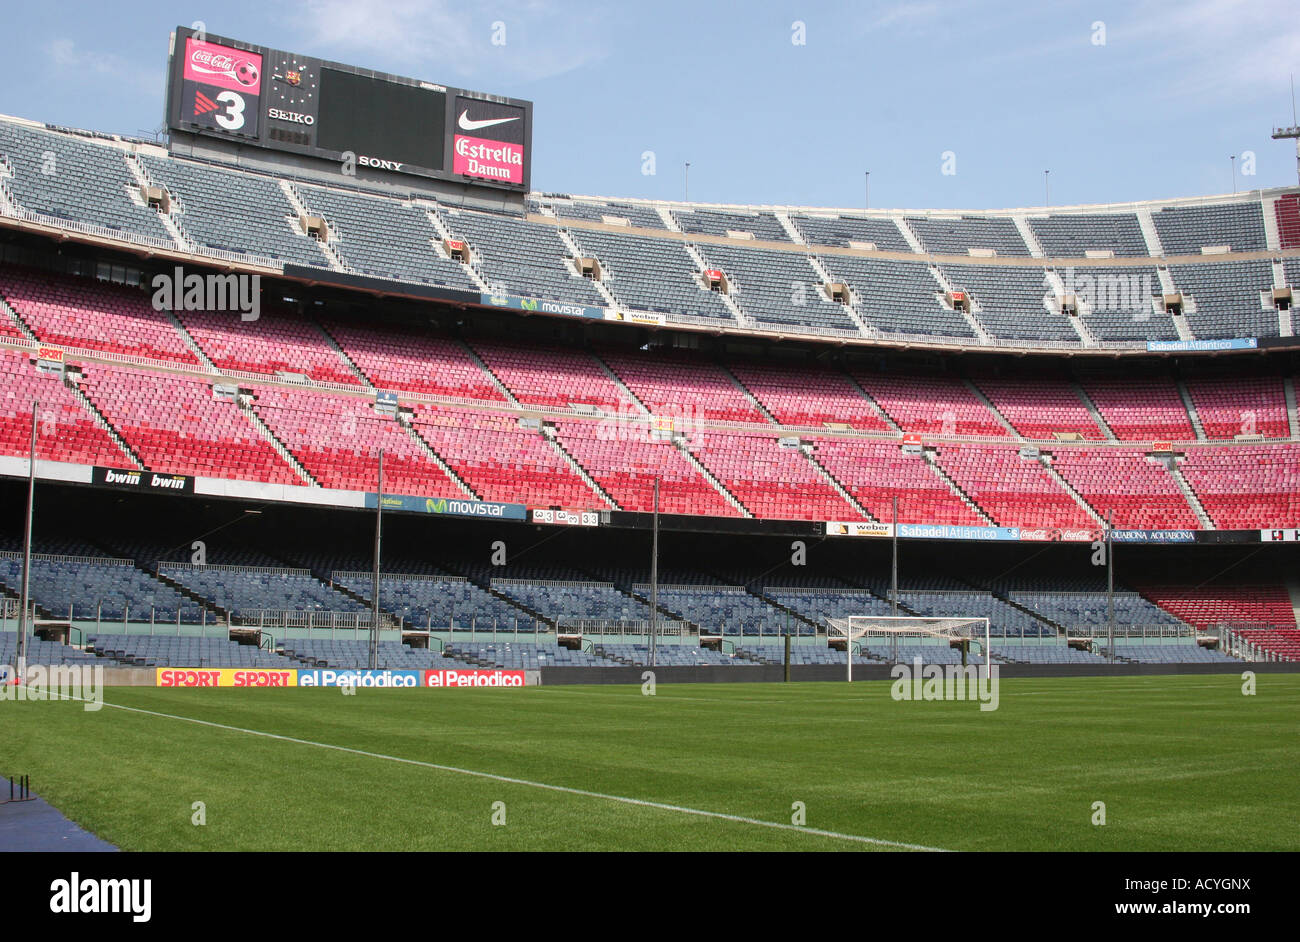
217,61
223,66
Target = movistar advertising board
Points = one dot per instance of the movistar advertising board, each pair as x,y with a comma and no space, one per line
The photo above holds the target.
446,506
542,306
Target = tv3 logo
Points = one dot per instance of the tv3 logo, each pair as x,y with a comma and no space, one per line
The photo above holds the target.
231,117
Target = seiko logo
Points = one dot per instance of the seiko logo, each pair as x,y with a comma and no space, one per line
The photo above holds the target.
380,164
291,116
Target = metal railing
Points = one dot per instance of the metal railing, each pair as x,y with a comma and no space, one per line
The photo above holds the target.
602,627
194,567
1130,631
291,618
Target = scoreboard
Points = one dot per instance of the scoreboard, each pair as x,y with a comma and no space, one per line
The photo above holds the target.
228,90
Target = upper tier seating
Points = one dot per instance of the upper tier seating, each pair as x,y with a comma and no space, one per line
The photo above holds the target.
1141,494
518,257
651,274
1240,405
411,360
1010,302
1286,210
897,297
1040,407
276,342
874,472
764,226
640,217
777,288
338,440
625,462
1014,491
501,461
1226,299
957,236
383,238
682,387
773,482
552,378
1144,408
1185,230
1071,235
1120,302
935,405
65,429
74,179
236,212
176,427
79,312
842,231
1248,487
808,395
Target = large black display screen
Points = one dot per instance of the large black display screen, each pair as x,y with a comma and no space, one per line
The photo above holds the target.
373,117
356,118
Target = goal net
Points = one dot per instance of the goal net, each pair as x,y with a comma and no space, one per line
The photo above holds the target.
903,636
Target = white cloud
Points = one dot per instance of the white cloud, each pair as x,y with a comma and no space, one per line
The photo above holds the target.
432,38
74,64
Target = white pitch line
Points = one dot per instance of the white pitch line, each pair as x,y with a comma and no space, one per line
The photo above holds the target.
640,802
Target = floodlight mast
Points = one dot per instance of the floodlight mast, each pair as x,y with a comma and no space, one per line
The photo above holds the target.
1291,133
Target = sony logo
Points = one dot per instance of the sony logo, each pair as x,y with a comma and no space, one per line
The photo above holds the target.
380,164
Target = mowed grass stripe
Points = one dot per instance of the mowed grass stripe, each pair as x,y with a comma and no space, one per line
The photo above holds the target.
1182,763
583,793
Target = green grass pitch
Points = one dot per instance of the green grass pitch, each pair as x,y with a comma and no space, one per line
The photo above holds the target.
1181,763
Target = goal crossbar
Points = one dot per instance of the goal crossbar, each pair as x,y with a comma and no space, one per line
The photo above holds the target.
949,628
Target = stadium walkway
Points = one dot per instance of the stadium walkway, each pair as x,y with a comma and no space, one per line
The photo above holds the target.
37,825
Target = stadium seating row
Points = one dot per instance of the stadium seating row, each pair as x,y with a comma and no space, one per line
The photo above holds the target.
92,181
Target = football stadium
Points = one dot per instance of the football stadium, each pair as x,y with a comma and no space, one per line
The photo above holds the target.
625,523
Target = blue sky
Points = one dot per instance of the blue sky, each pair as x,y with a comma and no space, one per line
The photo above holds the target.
1011,89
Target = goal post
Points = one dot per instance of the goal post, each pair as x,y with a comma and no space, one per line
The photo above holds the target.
902,628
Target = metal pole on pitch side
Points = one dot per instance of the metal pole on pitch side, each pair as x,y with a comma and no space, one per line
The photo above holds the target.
654,576
27,554
1110,592
893,595
379,535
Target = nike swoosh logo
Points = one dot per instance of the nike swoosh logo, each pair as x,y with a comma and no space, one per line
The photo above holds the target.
468,124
